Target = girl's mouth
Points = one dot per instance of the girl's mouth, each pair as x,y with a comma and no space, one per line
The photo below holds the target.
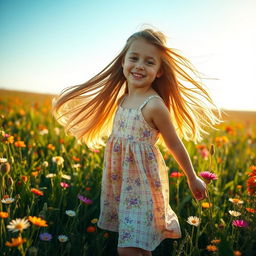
137,75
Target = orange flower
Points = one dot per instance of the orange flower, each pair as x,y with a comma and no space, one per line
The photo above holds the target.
24,178
37,191
237,253
211,248
16,242
76,159
91,229
4,215
34,173
239,186
19,144
50,146
251,185
221,140
251,210
215,241
37,221
176,174
230,130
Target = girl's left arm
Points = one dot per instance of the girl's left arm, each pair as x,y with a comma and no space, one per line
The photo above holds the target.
161,118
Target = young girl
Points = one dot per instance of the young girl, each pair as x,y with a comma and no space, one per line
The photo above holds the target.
144,87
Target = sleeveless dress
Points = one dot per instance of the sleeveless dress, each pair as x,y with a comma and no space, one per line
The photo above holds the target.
135,186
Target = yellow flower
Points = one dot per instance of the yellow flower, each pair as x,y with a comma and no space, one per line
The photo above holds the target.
16,242
37,221
18,225
211,248
94,221
206,205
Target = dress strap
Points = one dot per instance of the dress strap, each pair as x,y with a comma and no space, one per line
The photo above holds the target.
148,99
122,100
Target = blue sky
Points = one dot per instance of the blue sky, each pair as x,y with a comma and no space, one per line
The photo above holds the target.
47,45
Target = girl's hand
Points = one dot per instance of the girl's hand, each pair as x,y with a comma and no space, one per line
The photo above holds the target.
198,188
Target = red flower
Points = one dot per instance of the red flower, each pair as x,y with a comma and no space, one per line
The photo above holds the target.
251,185
37,191
176,174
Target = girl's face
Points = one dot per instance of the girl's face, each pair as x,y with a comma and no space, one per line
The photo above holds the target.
141,64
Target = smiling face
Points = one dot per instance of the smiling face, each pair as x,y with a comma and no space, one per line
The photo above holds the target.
141,64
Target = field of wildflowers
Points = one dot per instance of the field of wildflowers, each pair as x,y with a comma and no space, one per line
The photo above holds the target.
50,188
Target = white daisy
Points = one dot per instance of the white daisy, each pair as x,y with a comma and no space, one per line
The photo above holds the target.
8,200
234,213
50,175
18,225
58,160
3,160
66,177
63,238
193,220
70,213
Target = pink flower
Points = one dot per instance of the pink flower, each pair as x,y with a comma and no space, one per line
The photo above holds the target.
240,223
64,185
84,199
208,176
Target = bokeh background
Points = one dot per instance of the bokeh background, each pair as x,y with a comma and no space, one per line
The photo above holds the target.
48,45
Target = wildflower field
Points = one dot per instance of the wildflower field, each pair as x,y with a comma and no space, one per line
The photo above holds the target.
50,190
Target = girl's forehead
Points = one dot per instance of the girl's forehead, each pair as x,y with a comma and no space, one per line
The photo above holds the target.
142,47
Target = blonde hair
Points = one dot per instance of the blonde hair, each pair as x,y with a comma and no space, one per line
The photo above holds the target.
86,111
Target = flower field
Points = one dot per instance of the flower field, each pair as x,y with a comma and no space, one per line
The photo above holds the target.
50,190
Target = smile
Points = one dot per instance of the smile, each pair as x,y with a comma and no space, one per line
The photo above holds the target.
137,75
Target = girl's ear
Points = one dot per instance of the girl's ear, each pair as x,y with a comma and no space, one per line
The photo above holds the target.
159,73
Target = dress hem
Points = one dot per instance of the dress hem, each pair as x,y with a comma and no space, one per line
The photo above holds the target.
138,246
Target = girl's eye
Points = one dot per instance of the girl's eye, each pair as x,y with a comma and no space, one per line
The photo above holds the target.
150,63
133,58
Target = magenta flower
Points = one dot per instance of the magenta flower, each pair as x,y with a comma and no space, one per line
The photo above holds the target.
84,199
64,185
208,176
240,223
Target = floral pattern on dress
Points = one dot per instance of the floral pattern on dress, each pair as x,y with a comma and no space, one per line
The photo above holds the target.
135,198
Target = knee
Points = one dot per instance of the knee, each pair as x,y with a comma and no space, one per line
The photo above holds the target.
128,252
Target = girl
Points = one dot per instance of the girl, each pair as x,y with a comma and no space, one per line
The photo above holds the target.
144,87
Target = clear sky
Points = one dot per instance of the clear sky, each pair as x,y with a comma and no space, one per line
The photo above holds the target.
49,45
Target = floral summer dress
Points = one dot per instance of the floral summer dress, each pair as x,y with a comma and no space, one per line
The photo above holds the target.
135,185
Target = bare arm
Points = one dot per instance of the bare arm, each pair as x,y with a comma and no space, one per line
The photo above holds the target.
162,120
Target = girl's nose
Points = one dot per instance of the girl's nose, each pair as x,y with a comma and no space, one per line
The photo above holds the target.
139,66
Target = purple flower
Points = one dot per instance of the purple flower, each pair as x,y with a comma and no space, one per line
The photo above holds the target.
240,223
208,176
84,199
45,237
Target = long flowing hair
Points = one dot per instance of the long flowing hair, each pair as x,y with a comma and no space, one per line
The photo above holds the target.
86,110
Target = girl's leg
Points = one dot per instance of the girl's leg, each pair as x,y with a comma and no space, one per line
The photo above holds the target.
146,253
129,251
